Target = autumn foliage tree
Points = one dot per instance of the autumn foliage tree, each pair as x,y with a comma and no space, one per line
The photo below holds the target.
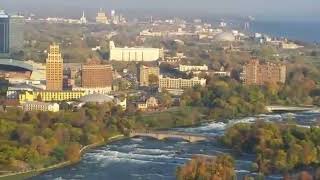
207,168
278,148
73,152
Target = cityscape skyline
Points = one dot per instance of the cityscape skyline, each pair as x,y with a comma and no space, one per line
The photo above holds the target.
309,9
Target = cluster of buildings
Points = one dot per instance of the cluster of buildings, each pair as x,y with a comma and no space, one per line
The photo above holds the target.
198,31
282,43
38,87
150,75
96,81
102,18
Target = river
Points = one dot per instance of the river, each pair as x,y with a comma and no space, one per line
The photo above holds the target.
149,159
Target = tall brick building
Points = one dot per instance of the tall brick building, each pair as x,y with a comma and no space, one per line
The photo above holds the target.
256,73
54,72
96,75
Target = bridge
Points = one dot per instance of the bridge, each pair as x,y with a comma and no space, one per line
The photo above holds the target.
170,134
288,108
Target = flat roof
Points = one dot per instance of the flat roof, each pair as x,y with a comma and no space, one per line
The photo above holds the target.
16,63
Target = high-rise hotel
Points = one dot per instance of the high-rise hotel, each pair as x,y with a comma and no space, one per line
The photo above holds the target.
54,74
256,73
4,32
96,75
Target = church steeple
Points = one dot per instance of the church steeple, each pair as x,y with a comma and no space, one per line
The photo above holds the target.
83,19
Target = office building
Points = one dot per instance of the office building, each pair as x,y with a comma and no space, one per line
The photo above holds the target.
96,75
134,53
40,106
102,18
256,73
172,83
17,24
54,69
4,32
145,73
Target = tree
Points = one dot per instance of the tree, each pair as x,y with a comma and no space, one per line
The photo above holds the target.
39,144
165,99
153,79
39,98
73,152
305,176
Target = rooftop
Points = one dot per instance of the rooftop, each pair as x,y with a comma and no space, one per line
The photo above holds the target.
3,14
16,63
96,98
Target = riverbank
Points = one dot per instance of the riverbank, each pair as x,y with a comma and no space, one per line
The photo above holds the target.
34,172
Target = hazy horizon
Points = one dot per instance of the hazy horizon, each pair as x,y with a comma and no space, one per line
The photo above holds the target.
273,9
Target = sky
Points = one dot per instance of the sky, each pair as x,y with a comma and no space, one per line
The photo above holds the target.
290,9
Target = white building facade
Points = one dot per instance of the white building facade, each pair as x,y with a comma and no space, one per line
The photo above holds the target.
189,68
135,54
40,106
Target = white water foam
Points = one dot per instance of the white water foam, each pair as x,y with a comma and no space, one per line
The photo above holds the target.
242,171
131,156
208,127
58,178
153,151
143,176
137,139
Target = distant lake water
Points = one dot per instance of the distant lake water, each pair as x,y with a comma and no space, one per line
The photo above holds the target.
302,31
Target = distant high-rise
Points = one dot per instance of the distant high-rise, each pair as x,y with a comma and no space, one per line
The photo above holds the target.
256,73
96,75
54,74
4,32
17,24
